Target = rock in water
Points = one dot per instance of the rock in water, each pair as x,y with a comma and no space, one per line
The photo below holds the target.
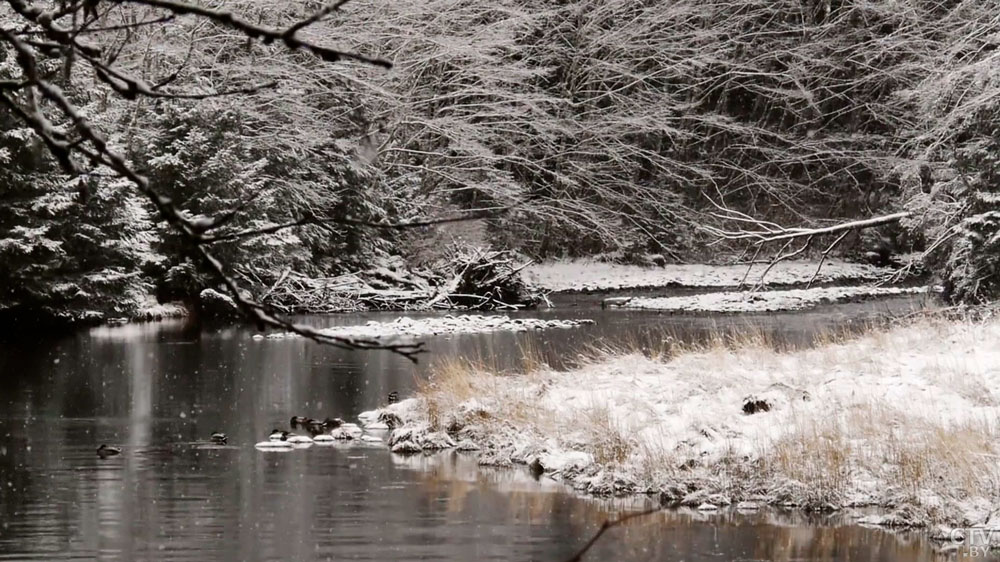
214,304
615,301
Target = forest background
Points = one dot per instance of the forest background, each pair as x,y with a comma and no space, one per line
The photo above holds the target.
568,128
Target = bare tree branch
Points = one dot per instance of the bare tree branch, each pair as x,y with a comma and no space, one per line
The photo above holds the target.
765,235
760,233
265,34
471,214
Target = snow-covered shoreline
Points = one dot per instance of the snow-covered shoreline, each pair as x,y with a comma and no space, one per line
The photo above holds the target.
765,301
438,325
586,275
907,420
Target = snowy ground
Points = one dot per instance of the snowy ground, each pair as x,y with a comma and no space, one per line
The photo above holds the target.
437,325
764,301
589,275
905,419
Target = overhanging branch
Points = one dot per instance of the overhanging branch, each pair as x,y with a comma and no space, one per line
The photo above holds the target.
759,233
78,146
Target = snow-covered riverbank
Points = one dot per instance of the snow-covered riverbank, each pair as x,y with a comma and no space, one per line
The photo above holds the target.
590,275
764,301
907,419
439,325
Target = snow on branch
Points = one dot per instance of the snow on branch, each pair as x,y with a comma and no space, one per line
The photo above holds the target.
265,34
78,146
759,233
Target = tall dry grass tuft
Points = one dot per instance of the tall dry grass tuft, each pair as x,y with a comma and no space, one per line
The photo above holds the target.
452,381
817,454
913,455
664,345
610,443
457,381
532,357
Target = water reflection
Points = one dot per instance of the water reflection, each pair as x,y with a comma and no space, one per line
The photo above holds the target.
159,390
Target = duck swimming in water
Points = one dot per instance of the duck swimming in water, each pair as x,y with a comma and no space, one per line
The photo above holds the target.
105,451
219,438
315,427
278,435
299,420
332,423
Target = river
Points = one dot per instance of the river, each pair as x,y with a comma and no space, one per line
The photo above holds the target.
158,390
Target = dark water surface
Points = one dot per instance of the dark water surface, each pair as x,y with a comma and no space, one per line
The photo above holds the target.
158,390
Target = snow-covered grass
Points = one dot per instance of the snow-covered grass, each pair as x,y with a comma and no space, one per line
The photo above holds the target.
590,275
766,301
906,418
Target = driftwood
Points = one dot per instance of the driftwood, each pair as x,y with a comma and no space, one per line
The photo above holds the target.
489,279
471,279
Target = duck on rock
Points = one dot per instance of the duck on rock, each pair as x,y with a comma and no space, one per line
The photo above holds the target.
277,441
296,439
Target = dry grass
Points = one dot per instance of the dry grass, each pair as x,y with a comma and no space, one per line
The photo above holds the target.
611,443
664,345
455,381
817,454
885,443
894,415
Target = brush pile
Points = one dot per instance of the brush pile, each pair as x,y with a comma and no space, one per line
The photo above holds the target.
469,278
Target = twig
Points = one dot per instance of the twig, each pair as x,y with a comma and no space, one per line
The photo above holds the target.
822,258
608,524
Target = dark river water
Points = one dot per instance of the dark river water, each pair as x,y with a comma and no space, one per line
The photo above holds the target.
159,390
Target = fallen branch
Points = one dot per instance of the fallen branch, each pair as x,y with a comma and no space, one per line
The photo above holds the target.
774,235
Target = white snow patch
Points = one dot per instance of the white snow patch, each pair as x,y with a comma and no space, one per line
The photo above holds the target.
766,301
439,325
590,275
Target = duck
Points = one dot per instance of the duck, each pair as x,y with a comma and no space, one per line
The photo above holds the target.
393,397
315,427
278,435
219,438
104,451
324,439
332,423
347,431
299,420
